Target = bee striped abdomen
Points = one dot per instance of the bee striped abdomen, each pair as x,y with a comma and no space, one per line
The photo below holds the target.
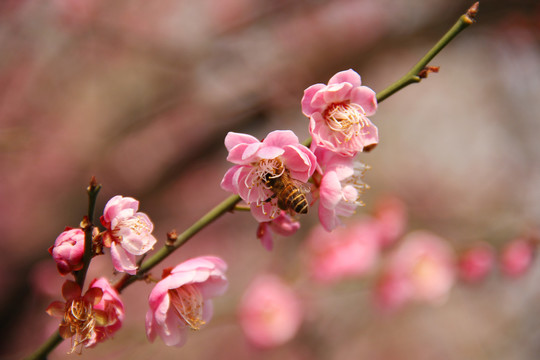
293,198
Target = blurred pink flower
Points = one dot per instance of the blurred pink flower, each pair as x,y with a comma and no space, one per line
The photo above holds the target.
82,320
113,307
338,114
516,257
282,225
345,252
279,154
129,232
391,217
270,312
340,187
476,263
68,250
421,269
181,300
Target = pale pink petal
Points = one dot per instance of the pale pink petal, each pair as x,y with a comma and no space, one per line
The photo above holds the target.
330,190
281,138
366,98
349,76
264,212
270,152
227,181
250,151
236,154
307,107
337,93
123,261
328,218
233,139
284,225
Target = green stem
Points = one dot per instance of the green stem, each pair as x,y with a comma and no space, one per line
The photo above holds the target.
47,347
413,76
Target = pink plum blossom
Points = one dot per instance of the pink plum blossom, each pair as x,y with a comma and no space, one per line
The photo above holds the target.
391,216
270,312
129,233
111,304
283,225
476,263
68,250
346,252
89,318
278,155
516,257
338,114
421,268
340,187
182,299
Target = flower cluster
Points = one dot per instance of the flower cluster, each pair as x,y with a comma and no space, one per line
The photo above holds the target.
272,175
180,301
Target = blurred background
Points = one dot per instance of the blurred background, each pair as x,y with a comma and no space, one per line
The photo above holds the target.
140,94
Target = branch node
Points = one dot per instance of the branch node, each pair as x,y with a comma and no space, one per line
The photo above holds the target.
422,74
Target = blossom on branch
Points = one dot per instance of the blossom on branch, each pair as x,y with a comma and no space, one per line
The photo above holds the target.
182,299
90,318
279,159
338,114
129,233
341,185
68,250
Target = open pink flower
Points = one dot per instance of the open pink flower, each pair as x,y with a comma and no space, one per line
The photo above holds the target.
282,225
338,114
476,263
68,250
112,306
517,256
344,253
340,187
88,318
129,233
278,156
270,312
181,300
422,269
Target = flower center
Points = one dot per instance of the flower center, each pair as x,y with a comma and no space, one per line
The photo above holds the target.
257,180
135,224
79,321
346,119
187,301
357,182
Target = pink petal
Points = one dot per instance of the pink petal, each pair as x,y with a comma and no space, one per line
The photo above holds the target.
300,163
262,213
328,218
227,181
330,190
56,309
349,76
270,152
281,138
370,135
265,235
236,154
250,152
307,107
337,93
366,98
123,261
233,139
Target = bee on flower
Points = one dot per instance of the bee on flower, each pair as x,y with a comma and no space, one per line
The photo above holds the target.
269,174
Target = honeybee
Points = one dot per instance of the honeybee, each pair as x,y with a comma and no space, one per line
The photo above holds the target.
290,193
